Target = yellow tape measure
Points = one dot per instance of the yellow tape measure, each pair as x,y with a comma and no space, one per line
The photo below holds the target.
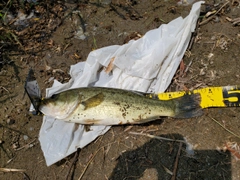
227,96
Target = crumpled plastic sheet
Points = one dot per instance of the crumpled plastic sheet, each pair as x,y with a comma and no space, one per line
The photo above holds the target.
147,65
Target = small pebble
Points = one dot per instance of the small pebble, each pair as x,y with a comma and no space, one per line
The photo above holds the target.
210,55
31,129
25,137
213,38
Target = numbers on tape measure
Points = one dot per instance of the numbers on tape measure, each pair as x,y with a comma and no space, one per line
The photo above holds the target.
231,97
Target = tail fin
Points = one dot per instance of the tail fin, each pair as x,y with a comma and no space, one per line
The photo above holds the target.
188,106
33,91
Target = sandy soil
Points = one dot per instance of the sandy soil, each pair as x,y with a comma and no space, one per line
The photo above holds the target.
49,44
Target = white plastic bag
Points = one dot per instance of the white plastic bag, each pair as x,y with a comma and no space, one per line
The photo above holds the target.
147,64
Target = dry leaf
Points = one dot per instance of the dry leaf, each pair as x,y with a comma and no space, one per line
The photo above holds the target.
110,66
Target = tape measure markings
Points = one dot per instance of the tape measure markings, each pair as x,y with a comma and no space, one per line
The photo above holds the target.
231,96
227,96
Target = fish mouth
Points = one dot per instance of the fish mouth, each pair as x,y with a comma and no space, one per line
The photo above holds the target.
48,108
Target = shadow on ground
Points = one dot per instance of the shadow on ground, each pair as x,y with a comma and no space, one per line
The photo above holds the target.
156,155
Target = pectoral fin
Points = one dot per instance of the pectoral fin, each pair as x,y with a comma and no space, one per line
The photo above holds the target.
93,101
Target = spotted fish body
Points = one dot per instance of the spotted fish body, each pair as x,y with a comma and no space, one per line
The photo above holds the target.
107,106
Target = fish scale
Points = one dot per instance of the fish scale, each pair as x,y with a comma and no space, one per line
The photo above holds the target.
117,108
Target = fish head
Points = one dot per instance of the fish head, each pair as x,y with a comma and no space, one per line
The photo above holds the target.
61,105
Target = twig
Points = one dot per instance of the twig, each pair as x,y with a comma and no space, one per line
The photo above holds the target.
118,13
221,8
236,21
93,158
167,170
224,127
29,145
187,68
75,159
4,89
233,21
85,169
211,17
1,125
176,162
25,176
11,170
157,137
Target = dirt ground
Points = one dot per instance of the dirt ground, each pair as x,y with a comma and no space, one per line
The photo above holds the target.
62,33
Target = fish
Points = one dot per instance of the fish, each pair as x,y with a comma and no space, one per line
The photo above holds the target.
109,106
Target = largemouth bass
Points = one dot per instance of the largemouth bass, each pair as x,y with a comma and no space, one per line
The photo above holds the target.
107,106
